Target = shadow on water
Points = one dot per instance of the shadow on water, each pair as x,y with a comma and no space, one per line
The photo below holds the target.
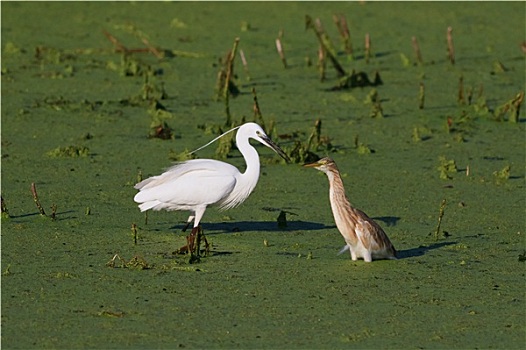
421,250
388,220
266,226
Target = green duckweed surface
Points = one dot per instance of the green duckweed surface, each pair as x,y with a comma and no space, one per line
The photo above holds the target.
76,120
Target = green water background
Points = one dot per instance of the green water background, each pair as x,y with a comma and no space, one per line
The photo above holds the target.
63,85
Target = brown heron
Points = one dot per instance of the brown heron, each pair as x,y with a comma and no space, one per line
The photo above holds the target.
364,237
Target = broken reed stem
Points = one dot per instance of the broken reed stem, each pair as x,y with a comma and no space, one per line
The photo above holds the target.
152,49
416,49
461,99
322,62
440,216
341,24
5,211
367,47
450,48
279,47
229,74
258,117
245,64
517,102
325,42
35,198
315,135
53,212
118,46
421,96
134,231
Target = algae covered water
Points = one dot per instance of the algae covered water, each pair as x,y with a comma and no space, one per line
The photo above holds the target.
424,125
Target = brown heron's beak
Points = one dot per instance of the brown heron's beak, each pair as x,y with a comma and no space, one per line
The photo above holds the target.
311,165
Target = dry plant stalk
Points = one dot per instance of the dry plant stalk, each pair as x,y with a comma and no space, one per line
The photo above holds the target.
421,96
416,49
279,47
341,24
36,200
367,47
450,48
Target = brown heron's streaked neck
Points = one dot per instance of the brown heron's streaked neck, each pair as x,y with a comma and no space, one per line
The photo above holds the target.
343,212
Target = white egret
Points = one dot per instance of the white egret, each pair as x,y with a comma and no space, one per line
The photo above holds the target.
195,184
364,237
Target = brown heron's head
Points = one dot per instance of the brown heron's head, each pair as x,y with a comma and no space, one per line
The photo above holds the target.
325,164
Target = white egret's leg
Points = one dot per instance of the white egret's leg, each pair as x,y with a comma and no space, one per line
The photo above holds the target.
188,222
198,214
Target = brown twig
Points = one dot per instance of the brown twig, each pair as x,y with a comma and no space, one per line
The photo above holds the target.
367,47
5,211
322,62
53,212
152,49
421,96
416,49
258,117
228,77
450,48
134,231
118,46
325,42
35,198
245,63
341,24
279,47
461,99
440,216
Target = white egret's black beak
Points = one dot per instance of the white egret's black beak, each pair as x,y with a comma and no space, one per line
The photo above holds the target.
269,143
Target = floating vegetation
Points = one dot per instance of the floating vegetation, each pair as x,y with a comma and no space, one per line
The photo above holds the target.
225,145
357,79
69,152
136,262
446,167
304,152
421,133
159,127
361,148
511,108
226,85
5,211
181,157
503,174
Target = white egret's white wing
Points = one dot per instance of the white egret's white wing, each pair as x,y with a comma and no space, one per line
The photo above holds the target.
186,185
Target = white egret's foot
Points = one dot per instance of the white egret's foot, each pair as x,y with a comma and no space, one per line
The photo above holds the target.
193,243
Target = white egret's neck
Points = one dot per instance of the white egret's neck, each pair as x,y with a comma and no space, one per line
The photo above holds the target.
251,174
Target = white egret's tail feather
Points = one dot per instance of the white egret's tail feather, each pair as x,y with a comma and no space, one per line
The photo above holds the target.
148,205
217,138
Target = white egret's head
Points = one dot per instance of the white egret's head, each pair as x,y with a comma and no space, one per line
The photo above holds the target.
257,133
